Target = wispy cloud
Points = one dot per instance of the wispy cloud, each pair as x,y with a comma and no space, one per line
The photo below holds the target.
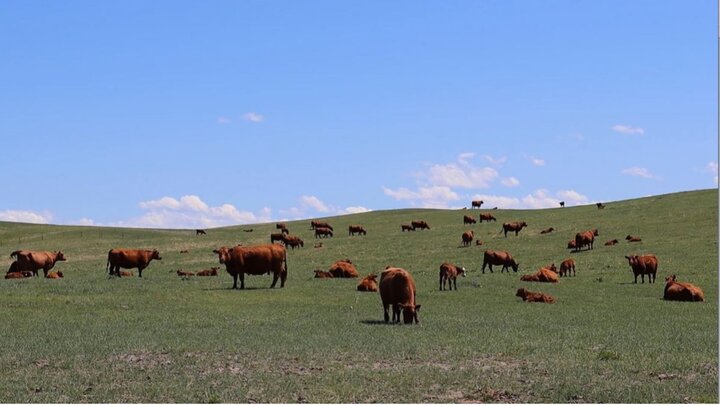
253,117
223,120
639,172
539,199
510,182
626,129
495,161
26,216
432,196
712,167
315,203
311,206
537,161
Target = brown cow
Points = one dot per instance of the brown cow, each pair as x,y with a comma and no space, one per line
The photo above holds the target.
449,273
571,245
356,228
34,260
198,232
184,274
547,230
184,251
514,226
406,227
368,284
397,289
421,224
293,241
476,203
631,238
126,273
322,232
682,291
469,220
499,258
478,242
280,226
542,275
128,259
315,224
585,238
322,274
54,275
611,242
277,237
248,230
487,217
17,275
343,269
255,260
643,265
566,266
208,272
528,296
467,238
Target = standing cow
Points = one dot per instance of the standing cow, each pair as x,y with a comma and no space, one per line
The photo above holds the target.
128,259
487,217
643,265
499,258
469,220
397,289
477,203
256,260
585,238
353,229
449,273
420,224
322,232
34,260
514,226
467,238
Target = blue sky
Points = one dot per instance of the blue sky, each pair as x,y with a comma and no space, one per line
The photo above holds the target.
201,114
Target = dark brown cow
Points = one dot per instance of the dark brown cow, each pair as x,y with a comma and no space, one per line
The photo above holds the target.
255,260
469,220
542,275
343,269
449,273
209,272
514,226
356,228
571,245
476,203
248,230
368,284
285,231
280,226
421,224
128,259
322,232
322,274
643,265
499,258
487,217
397,289
184,274
611,242
478,242
34,260
184,251
467,238
682,291
293,241
528,296
315,224
547,230
631,238
277,237
600,205
585,238
198,232
562,204
566,266
406,227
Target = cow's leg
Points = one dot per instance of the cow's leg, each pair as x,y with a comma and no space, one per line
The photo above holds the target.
635,278
276,275
283,276
483,267
242,280
235,278
140,269
455,283
441,282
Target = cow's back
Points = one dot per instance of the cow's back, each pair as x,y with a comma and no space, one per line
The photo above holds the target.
257,260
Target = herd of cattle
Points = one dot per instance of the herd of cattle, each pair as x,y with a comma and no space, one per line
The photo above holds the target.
396,286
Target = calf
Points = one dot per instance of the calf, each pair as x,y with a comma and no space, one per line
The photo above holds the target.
571,245
630,238
209,272
611,242
184,251
184,274
643,265
368,284
322,274
566,266
528,296
686,292
467,238
547,230
449,273
16,275
55,275
542,275
397,289
406,227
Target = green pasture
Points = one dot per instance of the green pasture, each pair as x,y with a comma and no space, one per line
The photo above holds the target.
90,338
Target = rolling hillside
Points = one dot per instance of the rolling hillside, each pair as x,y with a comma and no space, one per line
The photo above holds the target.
90,338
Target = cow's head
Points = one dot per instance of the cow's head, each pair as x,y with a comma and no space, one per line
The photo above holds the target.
60,256
632,259
156,255
409,313
523,224
522,292
514,265
629,237
371,277
671,278
462,271
552,267
223,254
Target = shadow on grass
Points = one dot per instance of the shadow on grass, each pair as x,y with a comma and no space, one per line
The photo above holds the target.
239,290
375,322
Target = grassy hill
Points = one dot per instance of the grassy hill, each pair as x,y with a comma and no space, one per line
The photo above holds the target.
88,338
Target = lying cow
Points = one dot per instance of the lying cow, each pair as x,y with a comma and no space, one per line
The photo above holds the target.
343,269
682,291
631,238
35,260
397,289
368,284
184,274
319,273
128,259
547,230
611,242
255,260
499,258
528,296
18,275
208,272
54,275
542,275
449,274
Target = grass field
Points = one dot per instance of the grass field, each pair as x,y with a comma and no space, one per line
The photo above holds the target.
88,338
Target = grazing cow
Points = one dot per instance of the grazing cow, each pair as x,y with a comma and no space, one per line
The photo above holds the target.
280,226
469,220
528,296
449,273
34,260
476,203
562,204
499,258
487,217
643,265
566,266
631,238
368,284
514,226
397,289
356,229
406,227
128,259
126,273
343,269
54,275
322,274
495,208
184,251
611,242
315,224
600,205
585,238
184,274
293,241
277,237
198,232
322,232
208,272
421,224
255,260
682,291
542,275
467,238
248,230
547,230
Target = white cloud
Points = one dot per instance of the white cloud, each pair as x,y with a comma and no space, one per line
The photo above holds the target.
191,212
355,210
510,182
466,176
626,129
537,161
465,157
315,203
253,117
85,222
540,199
223,120
428,197
26,216
495,161
571,197
639,172
163,203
